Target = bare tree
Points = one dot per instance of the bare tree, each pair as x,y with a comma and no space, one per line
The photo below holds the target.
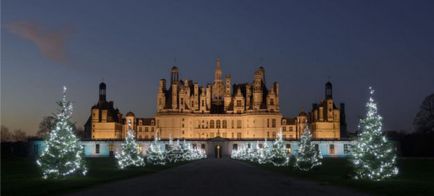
424,120
46,125
5,134
19,135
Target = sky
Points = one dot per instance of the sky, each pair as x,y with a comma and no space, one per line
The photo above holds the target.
130,45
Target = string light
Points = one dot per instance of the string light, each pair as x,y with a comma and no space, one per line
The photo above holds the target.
374,157
308,156
63,155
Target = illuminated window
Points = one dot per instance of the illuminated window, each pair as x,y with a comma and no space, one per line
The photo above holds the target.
218,124
273,123
332,149
211,124
238,103
288,147
239,125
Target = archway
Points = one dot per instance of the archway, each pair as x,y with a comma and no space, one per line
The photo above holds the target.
218,151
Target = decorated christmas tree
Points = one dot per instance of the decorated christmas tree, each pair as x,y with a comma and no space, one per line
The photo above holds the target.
130,153
63,154
264,153
308,156
278,155
155,154
173,151
374,157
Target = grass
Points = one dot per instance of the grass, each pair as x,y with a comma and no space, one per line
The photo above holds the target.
21,176
416,177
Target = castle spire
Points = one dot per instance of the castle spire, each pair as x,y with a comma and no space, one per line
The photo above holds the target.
218,70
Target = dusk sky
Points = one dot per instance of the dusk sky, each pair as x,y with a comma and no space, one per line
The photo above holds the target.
132,44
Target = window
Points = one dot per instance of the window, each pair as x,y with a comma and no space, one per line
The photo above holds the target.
268,134
273,123
268,122
152,129
235,147
218,124
225,124
238,103
238,135
211,124
233,124
232,134
249,146
288,147
284,129
271,101
332,149
274,134
239,125
202,146
97,148
140,129
347,149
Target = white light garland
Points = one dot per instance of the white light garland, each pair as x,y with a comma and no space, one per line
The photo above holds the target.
130,153
63,155
374,157
308,156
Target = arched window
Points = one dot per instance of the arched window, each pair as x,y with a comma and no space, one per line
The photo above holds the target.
225,124
211,124
218,124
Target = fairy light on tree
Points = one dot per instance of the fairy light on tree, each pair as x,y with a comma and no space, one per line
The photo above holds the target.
130,153
278,154
308,156
155,154
374,157
63,154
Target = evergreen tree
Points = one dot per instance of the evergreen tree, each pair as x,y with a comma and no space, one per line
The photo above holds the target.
308,156
374,157
264,153
173,152
130,154
63,154
155,154
278,154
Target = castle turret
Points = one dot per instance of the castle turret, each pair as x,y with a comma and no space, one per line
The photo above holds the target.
228,96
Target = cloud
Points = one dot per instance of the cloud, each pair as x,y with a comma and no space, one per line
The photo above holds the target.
50,43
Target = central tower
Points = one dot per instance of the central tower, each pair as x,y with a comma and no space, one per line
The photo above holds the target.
218,86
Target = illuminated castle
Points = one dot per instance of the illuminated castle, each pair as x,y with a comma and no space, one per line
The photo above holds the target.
221,109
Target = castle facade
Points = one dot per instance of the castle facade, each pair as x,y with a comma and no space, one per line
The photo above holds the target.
221,109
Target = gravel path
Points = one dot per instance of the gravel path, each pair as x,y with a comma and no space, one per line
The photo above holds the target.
215,177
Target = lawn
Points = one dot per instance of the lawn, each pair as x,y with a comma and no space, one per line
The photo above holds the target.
416,177
21,176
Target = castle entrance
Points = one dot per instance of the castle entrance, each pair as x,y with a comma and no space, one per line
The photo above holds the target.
218,152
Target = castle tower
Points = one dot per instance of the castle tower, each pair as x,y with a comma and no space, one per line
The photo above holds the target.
258,88
218,86
174,75
228,96
161,96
